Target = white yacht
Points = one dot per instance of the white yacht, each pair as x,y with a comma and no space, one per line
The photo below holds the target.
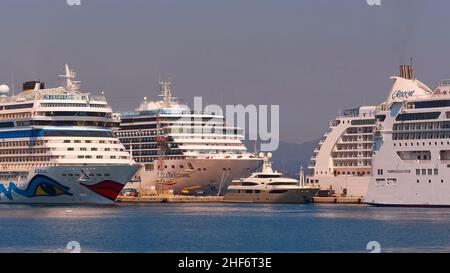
269,186
342,163
57,146
183,151
411,164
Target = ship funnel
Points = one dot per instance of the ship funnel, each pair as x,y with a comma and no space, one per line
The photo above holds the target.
33,85
407,72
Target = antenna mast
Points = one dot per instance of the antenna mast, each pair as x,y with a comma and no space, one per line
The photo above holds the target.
69,79
166,92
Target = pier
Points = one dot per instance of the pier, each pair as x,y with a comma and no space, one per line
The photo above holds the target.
170,199
216,199
338,200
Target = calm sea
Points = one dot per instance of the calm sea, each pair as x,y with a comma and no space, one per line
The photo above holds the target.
222,228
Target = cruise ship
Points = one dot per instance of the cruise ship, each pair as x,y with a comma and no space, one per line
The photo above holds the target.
411,163
342,162
183,151
57,146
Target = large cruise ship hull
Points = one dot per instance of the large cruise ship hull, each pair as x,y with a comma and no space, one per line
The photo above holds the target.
70,184
411,190
352,186
211,176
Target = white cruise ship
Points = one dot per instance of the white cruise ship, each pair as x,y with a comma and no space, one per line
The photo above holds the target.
183,151
411,164
57,146
343,160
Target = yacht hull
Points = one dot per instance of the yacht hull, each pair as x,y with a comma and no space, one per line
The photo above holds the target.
291,196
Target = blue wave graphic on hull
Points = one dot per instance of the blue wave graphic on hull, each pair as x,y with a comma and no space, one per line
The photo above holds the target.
40,185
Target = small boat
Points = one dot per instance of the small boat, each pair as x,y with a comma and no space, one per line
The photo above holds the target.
269,186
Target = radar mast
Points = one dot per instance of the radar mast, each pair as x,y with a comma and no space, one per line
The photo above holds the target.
166,92
69,79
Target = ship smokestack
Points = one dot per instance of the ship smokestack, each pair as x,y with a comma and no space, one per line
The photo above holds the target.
33,85
407,72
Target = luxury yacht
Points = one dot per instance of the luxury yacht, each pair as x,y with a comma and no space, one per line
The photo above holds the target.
269,186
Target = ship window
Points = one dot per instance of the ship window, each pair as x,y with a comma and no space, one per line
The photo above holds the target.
417,116
277,191
78,134
432,104
436,172
417,171
424,172
430,172
6,124
249,184
267,176
18,106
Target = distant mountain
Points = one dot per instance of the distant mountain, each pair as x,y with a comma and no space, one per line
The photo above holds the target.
290,156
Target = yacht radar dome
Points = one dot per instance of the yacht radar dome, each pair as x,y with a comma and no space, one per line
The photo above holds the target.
261,155
4,89
269,155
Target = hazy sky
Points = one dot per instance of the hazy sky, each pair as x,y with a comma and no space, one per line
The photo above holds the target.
312,57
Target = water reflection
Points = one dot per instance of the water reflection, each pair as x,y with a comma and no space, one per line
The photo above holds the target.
223,227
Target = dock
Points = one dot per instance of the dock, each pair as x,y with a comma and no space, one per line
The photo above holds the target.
170,199
217,199
338,200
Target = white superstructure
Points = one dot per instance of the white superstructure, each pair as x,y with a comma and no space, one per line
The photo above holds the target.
57,146
182,150
269,186
412,145
343,160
